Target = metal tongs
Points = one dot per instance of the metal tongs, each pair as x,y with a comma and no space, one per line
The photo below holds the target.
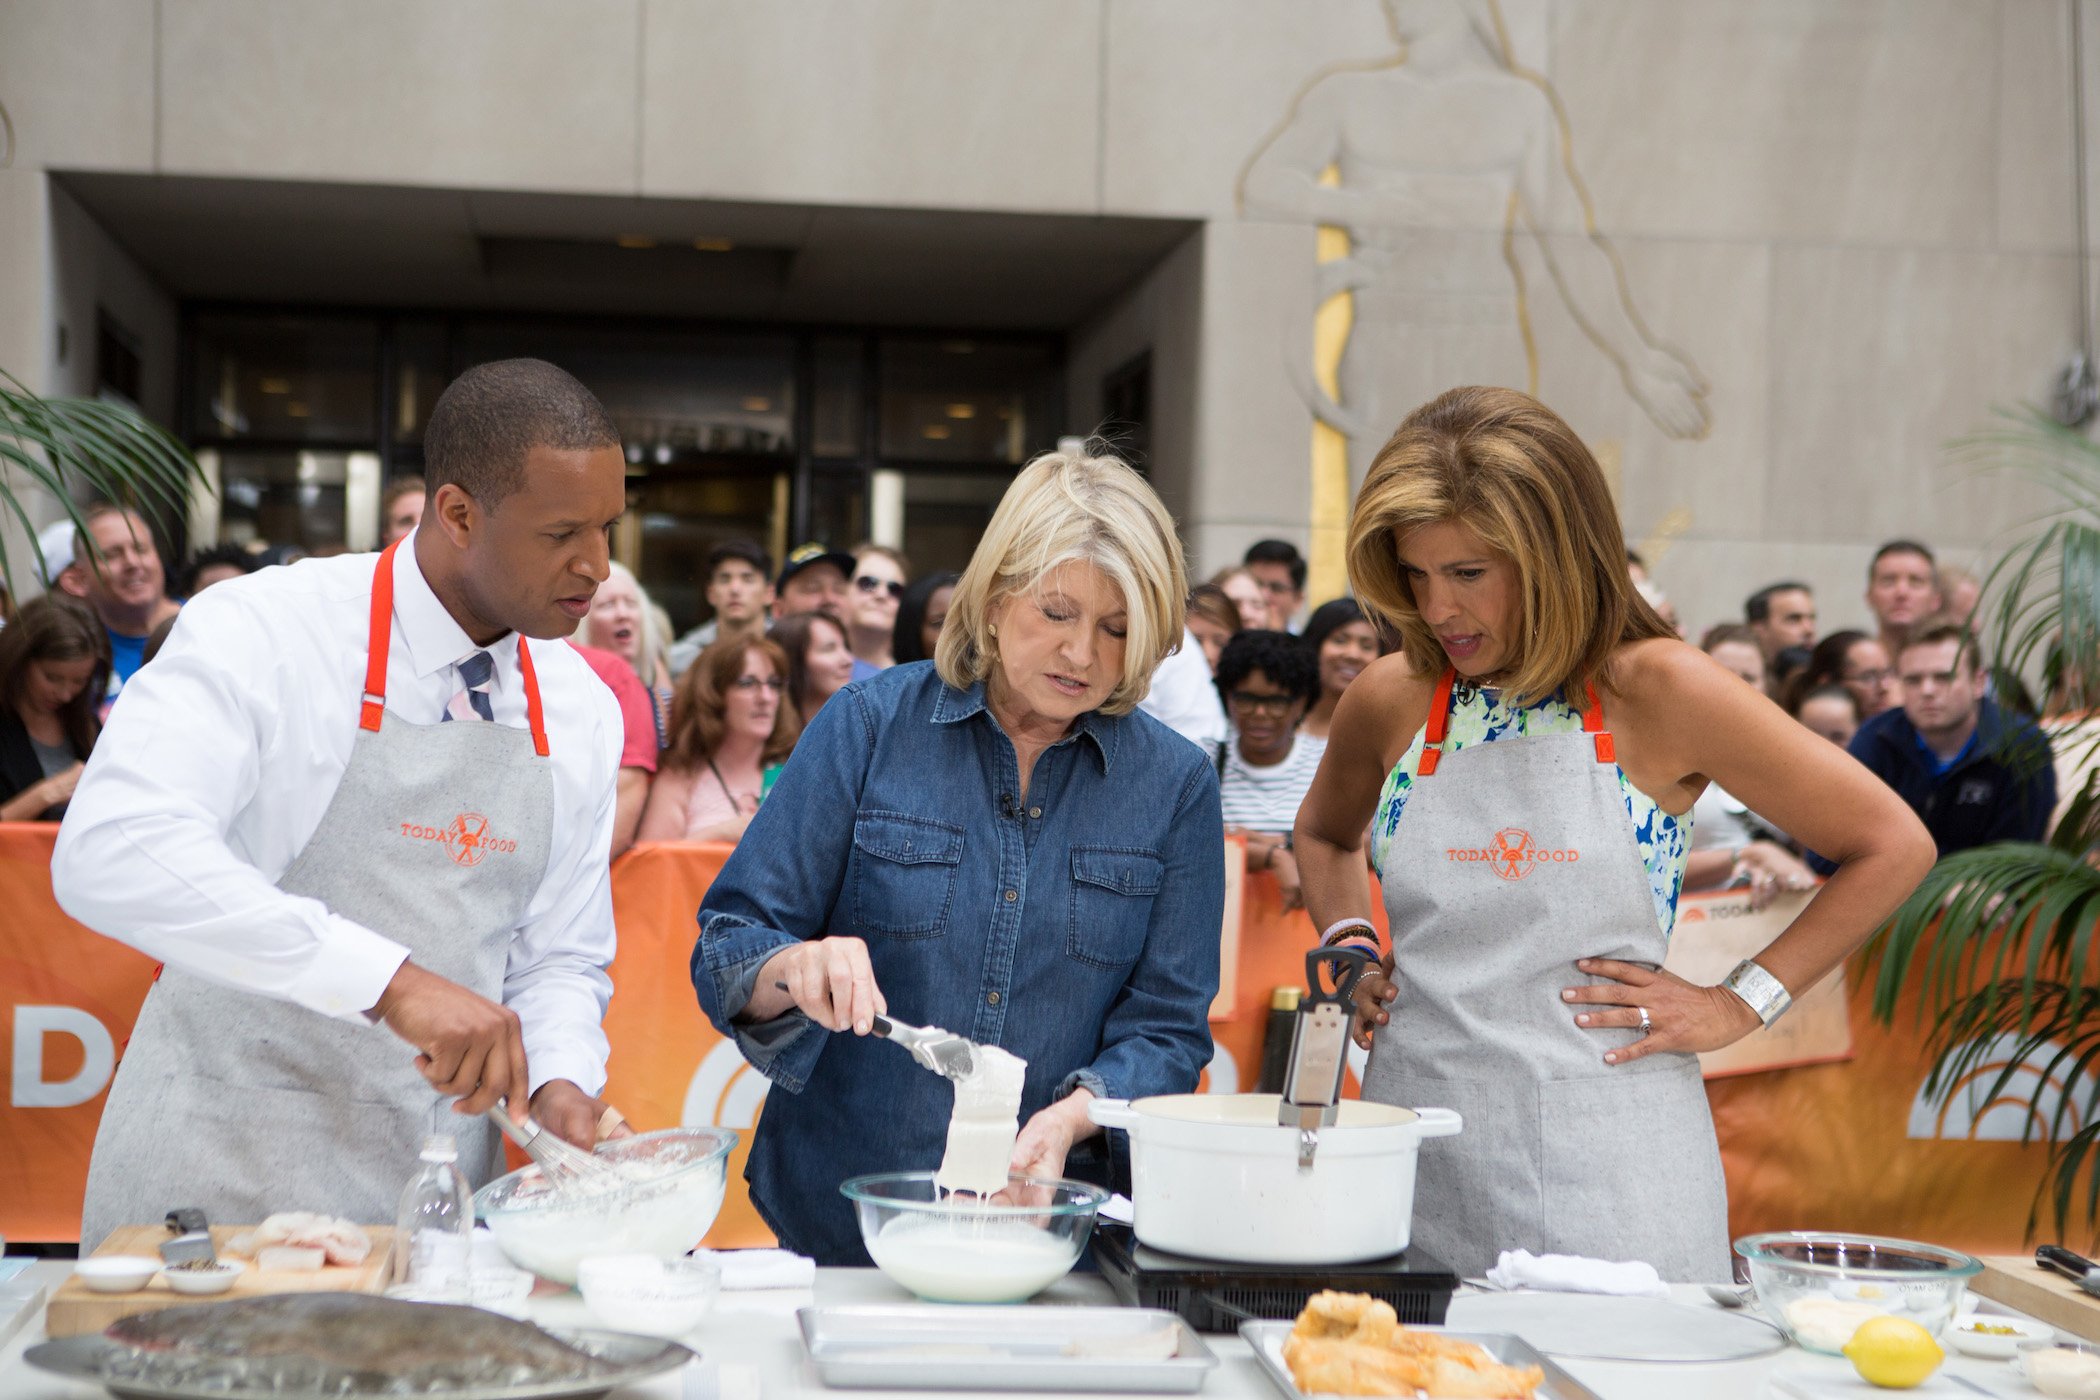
944,1052
1312,1081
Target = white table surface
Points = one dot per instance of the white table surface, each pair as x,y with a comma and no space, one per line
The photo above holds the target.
752,1350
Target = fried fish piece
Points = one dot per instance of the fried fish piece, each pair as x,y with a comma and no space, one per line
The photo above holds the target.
1353,1344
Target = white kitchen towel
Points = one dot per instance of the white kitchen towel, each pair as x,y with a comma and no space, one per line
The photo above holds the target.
761,1268
1571,1273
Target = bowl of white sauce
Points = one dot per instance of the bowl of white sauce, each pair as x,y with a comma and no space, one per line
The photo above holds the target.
665,1192
959,1248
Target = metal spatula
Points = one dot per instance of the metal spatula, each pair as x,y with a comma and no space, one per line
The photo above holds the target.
943,1052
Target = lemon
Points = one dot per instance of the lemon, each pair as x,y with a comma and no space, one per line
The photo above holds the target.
1893,1352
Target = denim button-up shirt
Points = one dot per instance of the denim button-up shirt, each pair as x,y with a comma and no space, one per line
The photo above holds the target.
1078,930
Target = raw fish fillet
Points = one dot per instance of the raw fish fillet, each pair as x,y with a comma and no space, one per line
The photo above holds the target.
351,1343
341,1240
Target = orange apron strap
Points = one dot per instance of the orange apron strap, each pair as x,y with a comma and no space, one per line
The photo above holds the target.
378,639
1439,723
1593,723
533,714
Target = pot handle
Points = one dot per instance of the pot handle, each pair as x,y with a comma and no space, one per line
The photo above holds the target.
1113,1113
1440,1122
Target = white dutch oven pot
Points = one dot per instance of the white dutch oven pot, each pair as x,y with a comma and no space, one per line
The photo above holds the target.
1214,1176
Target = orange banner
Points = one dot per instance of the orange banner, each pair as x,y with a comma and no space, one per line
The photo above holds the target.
1852,1145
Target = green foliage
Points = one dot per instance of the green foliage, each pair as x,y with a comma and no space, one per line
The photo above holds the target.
110,450
2001,940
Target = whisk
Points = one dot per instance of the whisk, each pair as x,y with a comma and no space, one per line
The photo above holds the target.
567,1168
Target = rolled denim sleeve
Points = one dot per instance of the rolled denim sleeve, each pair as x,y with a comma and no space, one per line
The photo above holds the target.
1157,1036
780,886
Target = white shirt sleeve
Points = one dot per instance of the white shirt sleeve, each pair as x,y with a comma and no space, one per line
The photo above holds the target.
556,979
143,855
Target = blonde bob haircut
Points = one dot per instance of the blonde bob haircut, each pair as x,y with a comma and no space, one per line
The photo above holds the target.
1512,470
1066,507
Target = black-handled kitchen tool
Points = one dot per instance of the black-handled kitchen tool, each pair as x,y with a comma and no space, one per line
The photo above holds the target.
191,1245
2073,1266
1312,1081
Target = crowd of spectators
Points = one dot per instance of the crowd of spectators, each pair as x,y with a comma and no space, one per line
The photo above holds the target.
712,715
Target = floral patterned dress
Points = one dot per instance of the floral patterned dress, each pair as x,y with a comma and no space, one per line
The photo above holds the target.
1480,717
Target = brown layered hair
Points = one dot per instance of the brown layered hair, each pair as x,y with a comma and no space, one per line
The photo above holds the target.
55,628
699,711
1514,472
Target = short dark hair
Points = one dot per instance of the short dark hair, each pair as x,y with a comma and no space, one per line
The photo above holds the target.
1934,630
1900,547
1278,552
397,488
1758,606
746,550
490,418
230,556
1832,690
1286,660
1722,633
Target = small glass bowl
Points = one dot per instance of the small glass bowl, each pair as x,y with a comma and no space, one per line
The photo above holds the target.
1819,1286
2082,1384
970,1249
642,1293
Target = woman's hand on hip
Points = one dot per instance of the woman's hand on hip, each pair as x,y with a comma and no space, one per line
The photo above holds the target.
1374,992
829,980
1680,1015
1046,1139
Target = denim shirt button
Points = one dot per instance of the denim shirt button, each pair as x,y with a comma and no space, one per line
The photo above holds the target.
1036,813
1012,895
992,998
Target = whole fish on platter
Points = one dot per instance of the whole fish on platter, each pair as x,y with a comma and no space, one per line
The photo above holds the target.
350,1344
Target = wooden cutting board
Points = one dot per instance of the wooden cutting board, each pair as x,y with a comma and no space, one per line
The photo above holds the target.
75,1308
2018,1282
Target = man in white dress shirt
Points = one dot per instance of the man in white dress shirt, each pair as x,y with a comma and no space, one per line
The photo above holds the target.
364,823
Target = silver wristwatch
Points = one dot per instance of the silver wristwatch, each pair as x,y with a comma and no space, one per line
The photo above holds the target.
1760,990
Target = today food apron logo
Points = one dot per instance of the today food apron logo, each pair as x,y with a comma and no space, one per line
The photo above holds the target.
467,838
1511,854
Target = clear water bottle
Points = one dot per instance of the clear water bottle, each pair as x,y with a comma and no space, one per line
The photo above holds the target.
434,1230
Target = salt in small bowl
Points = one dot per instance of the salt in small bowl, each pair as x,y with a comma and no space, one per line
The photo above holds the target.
642,1293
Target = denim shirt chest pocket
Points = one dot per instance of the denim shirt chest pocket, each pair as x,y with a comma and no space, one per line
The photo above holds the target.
903,874
1112,892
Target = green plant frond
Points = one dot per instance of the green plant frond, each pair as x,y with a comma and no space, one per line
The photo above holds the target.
72,447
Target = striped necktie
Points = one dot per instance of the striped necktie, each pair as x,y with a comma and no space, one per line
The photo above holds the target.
473,701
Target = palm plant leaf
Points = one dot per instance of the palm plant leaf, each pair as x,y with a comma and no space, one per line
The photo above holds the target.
108,451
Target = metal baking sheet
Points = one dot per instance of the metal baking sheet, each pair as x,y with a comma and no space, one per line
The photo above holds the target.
948,1346
1267,1338
96,1359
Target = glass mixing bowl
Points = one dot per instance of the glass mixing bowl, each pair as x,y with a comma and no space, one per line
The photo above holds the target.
679,1176
1818,1287
968,1249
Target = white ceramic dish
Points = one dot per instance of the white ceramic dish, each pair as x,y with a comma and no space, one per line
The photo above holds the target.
1995,1346
117,1273
199,1282
1215,1176
2075,1374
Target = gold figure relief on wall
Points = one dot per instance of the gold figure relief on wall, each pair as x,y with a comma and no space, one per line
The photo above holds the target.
1430,172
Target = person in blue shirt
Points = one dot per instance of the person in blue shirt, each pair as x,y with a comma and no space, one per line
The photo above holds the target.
122,579
996,842
1973,772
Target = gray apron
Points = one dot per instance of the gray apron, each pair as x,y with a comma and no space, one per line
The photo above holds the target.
244,1104
1511,860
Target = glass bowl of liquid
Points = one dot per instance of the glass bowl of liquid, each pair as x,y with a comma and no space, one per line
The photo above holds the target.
958,1248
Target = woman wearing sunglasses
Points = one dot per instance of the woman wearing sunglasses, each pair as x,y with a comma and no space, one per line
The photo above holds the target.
879,576
730,732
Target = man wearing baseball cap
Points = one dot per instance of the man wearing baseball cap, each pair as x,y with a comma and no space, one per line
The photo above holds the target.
812,580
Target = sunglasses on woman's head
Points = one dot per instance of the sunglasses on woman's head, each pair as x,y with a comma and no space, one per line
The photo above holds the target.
867,584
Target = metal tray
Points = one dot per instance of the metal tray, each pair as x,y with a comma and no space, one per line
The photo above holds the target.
954,1347
89,1357
1267,1338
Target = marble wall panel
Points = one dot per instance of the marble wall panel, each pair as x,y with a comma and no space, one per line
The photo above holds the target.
92,278
2035,163
1867,121
524,94
26,333
77,78
1879,359
918,103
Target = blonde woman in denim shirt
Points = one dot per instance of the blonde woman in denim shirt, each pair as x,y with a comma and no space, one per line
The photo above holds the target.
995,842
